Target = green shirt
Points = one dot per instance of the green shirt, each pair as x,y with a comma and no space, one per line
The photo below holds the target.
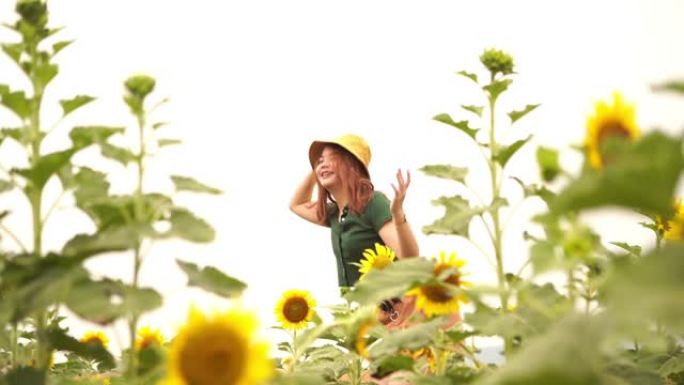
355,233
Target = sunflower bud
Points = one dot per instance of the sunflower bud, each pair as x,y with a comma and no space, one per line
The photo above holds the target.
140,85
33,11
497,61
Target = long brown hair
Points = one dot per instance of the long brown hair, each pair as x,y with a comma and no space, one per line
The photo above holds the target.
354,177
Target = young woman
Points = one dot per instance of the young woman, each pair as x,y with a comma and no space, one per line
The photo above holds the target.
358,216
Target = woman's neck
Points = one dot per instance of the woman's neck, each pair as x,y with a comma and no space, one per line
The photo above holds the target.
341,197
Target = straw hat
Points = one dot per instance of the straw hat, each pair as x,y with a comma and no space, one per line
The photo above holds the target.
354,144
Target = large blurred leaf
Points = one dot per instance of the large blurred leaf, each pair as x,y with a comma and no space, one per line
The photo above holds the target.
107,300
120,210
23,375
184,183
32,283
69,105
45,72
386,365
5,186
412,338
469,75
515,115
504,153
212,280
490,322
393,281
674,86
650,289
110,239
535,190
446,171
119,154
642,175
89,185
61,341
547,159
457,215
461,125
566,355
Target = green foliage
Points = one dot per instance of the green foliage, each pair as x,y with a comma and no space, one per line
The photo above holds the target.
497,61
446,171
642,176
547,158
184,183
212,280
461,125
516,115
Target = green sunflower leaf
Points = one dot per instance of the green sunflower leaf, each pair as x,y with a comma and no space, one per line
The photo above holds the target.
212,280
168,142
186,225
88,135
446,171
642,175
45,73
108,240
457,215
60,45
393,281
23,375
515,115
547,159
461,125
45,167
69,105
107,300
535,190
119,154
386,365
184,183
477,110
504,153
469,75
61,341
412,338
15,101
673,86
496,88
5,186
14,51
673,365
634,250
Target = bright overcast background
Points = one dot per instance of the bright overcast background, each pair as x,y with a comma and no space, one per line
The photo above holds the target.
252,83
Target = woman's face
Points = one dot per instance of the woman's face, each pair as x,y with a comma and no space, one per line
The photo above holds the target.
327,167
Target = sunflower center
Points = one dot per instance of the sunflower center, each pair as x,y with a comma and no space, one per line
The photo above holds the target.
213,357
613,128
296,309
381,262
435,293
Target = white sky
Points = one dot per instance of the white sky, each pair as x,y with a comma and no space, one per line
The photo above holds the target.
252,83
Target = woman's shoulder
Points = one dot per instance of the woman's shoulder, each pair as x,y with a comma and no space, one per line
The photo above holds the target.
378,204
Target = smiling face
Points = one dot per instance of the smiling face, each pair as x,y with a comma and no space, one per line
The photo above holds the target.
327,168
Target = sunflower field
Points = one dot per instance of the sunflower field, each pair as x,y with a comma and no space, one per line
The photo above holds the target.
613,316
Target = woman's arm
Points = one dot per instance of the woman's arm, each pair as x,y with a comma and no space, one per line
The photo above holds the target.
397,233
302,204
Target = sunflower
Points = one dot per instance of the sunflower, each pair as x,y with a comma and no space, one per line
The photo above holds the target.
616,120
377,259
435,299
95,337
361,340
294,310
217,350
148,337
672,228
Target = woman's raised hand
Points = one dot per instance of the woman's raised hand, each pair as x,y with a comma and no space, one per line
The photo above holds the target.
400,193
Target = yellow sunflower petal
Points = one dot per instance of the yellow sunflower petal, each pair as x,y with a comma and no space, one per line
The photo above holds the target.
295,309
615,120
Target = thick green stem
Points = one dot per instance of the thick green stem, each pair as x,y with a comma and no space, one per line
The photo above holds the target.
15,344
355,371
572,291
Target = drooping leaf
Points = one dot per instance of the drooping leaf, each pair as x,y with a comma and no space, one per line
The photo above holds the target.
515,115
386,365
634,250
61,341
496,88
5,186
393,281
535,190
461,125
69,105
547,159
184,183
87,135
159,125
642,175
109,240
504,153
469,75
119,154
673,365
107,300
446,171
89,185
477,110
45,167
212,280
490,322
